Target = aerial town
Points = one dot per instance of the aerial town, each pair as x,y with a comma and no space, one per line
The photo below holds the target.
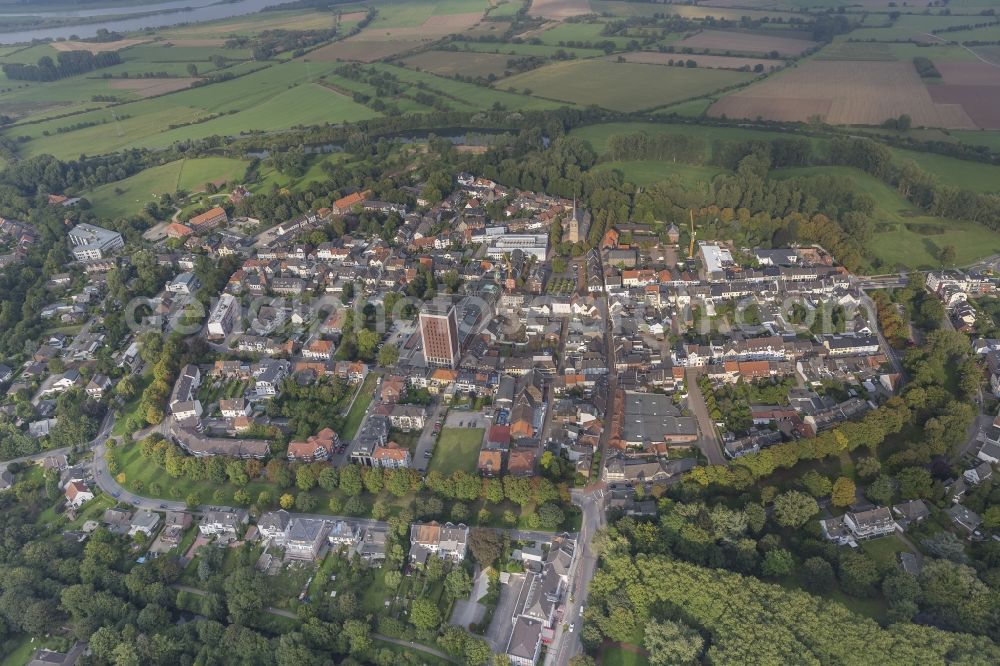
460,387
499,333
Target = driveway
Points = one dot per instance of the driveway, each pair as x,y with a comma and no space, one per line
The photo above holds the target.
502,622
708,442
427,440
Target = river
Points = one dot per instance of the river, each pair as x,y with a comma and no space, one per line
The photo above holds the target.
181,11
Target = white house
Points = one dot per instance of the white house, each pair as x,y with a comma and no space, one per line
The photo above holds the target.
77,494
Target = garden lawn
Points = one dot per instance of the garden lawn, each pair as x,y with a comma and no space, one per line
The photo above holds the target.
457,449
885,550
616,655
357,412
622,86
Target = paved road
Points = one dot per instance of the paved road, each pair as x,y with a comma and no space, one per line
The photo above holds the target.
887,349
428,438
566,644
41,455
609,346
709,442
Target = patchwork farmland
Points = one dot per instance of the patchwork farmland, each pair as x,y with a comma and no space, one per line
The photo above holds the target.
624,86
745,42
450,63
707,61
859,93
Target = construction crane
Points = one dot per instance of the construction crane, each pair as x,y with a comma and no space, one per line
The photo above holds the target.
693,233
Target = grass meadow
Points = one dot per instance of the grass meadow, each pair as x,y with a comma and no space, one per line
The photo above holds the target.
457,449
624,86
128,196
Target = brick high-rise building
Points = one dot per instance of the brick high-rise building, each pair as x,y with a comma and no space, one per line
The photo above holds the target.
439,333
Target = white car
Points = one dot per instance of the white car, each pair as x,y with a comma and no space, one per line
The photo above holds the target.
571,627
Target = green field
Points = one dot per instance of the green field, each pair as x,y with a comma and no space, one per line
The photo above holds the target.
466,96
988,138
457,449
512,50
644,172
974,176
624,86
276,97
127,197
358,408
597,135
578,32
913,240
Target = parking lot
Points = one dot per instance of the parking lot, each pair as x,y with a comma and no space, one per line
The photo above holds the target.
463,419
425,445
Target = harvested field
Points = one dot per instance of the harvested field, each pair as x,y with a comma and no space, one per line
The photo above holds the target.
744,42
706,61
988,53
857,51
352,17
558,10
980,103
207,42
362,50
449,63
970,73
452,22
433,27
97,47
864,93
151,87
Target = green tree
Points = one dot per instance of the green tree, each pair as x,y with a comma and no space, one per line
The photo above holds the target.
816,484
777,562
350,480
388,355
843,493
671,643
458,584
880,490
424,614
817,574
794,509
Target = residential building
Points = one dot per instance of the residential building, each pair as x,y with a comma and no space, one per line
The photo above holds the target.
870,524
446,541
306,538
223,316
77,494
525,643
273,526
978,474
439,334
318,447
371,545
391,456
144,521
224,525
